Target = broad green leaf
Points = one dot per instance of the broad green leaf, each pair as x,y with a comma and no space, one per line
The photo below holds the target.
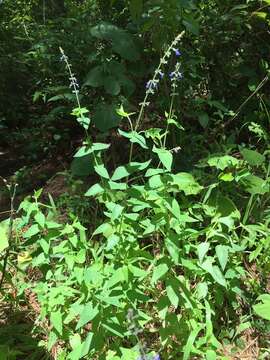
116,211
106,229
223,162
134,137
57,321
124,171
185,182
222,252
172,245
137,272
105,117
82,166
211,355
214,271
129,354
202,290
122,42
226,177
203,119
102,171
94,190
172,294
80,256
253,157
202,249
86,150
117,186
262,309
32,231
88,313
120,173
165,156
112,85
158,272
40,219
96,77
255,185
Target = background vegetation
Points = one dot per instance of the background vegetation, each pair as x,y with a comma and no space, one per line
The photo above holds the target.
135,174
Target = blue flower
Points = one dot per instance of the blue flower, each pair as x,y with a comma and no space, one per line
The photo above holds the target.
161,74
177,52
176,75
151,85
156,357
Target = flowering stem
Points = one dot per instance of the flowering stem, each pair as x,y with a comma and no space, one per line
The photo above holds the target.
73,81
154,81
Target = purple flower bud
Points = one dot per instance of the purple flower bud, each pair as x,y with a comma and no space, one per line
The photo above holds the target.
161,74
156,357
177,52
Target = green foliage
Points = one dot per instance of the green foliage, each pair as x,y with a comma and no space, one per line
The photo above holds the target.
169,220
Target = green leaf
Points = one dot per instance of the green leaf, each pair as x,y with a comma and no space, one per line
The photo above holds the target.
106,229
124,171
114,329
102,171
260,14
86,344
105,117
134,137
87,314
214,271
137,272
40,219
255,185
191,24
135,8
172,245
56,321
262,309
223,162
191,339
116,211
202,249
165,156
203,119
82,166
32,231
112,86
173,294
158,272
211,355
129,354
96,77
86,150
253,157
112,241
3,235
202,290
186,183
122,42
94,190
222,252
